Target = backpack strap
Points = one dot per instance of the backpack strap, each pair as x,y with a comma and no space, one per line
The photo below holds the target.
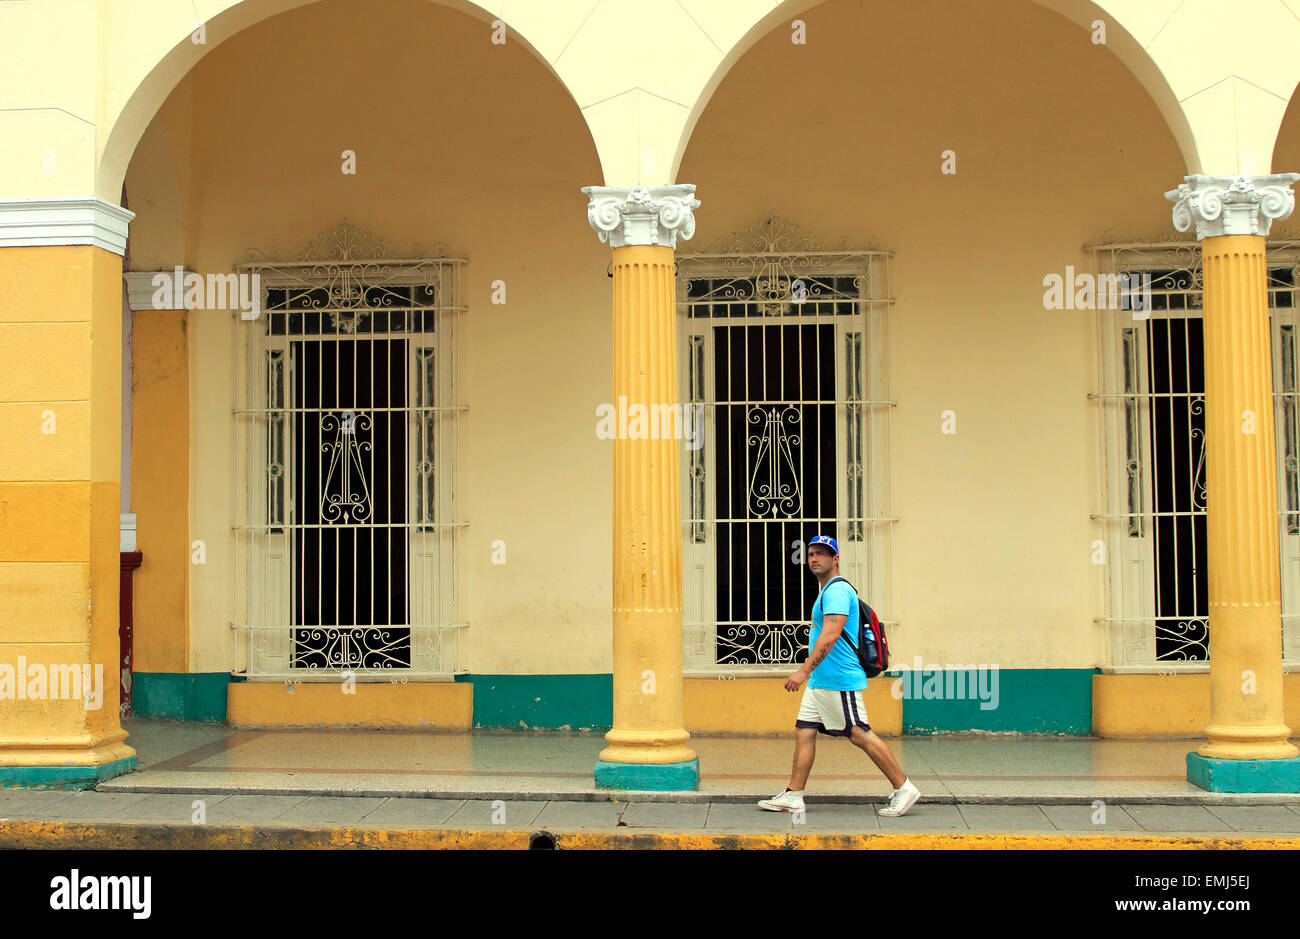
843,633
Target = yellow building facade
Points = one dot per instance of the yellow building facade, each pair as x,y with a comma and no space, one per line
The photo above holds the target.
341,314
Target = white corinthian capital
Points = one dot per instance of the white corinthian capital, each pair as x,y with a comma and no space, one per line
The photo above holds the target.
1232,205
642,215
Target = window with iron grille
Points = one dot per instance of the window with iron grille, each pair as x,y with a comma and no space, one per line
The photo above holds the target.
347,440
783,352
1151,410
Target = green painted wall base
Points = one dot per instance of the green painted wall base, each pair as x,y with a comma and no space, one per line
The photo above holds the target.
1018,701
199,697
63,777
542,702
654,777
1214,775
1006,700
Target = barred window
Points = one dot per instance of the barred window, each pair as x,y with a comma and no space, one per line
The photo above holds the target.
1151,409
346,428
783,352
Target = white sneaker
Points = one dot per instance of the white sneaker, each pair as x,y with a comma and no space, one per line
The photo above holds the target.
786,802
904,798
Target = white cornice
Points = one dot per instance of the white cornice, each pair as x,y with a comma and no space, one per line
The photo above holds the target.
89,221
141,289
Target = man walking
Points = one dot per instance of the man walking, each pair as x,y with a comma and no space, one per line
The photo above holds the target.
832,703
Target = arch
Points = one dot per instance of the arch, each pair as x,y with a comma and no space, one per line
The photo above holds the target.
1119,39
1286,140
165,56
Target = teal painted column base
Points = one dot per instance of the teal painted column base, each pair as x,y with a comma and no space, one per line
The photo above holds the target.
63,777
1214,775
656,777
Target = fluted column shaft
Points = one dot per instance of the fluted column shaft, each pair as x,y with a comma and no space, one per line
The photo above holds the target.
1246,720
642,225
1232,216
648,724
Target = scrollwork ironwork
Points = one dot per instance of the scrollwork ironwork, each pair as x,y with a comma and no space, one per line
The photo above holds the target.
344,453
777,266
774,483
1189,637
348,272
329,647
761,643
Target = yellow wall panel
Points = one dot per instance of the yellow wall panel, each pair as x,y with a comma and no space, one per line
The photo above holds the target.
160,488
442,705
48,521
45,284
1167,705
106,368
762,706
45,441
44,601
52,715
105,580
44,361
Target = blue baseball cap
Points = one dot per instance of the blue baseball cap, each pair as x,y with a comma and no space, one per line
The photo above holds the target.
826,540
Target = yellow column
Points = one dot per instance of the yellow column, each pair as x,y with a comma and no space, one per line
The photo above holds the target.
60,468
1241,497
648,742
1247,749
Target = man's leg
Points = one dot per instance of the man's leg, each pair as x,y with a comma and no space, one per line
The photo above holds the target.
805,751
878,750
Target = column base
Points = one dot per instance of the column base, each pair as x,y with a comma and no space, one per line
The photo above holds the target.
64,777
657,777
1215,775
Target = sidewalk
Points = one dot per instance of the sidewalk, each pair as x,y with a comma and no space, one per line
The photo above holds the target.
409,789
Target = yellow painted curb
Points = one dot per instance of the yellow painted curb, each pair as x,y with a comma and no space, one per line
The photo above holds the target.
100,835
110,835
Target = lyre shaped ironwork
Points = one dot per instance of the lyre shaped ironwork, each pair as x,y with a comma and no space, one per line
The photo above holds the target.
774,482
345,463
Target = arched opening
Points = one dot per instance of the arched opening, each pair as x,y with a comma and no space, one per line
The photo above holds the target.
983,155
788,20
395,132
161,59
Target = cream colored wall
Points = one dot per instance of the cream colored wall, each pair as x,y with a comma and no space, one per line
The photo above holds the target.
930,65
84,77
160,185
455,141
1286,155
1055,144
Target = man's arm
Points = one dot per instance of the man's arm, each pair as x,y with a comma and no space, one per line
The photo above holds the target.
832,626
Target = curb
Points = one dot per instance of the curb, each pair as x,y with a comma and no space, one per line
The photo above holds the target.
118,835
629,795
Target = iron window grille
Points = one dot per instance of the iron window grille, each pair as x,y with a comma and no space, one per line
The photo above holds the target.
347,439
783,352
1150,410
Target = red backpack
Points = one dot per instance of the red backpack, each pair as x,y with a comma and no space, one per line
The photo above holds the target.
873,656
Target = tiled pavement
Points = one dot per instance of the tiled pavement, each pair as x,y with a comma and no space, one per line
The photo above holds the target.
423,813
330,780
957,770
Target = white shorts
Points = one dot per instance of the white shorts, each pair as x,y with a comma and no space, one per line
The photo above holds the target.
832,712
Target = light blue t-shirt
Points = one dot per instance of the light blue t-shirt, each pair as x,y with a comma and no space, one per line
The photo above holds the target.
840,670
